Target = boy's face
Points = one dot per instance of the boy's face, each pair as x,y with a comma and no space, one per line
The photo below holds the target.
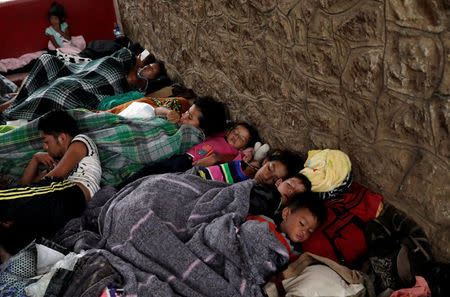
238,137
289,187
298,225
270,172
53,146
191,117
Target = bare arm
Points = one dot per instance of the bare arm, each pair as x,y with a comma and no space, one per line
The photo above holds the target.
76,151
214,159
53,40
31,173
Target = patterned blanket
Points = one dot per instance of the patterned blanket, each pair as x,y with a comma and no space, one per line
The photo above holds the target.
177,234
54,85
124,145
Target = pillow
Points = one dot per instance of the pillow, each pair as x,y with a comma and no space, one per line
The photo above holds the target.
341,237
138,110
320,280
316,280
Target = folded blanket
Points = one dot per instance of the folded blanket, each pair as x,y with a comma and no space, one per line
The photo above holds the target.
124,145
176,234
54,85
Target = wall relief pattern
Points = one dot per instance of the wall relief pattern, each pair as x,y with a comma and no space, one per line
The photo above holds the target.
369,77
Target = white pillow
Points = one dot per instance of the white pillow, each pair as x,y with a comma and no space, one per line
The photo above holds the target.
315,281
138,110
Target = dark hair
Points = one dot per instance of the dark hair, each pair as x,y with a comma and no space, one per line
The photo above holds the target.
213,117
57,9
56,122
254,136
159,82
315,205
292,161
305,181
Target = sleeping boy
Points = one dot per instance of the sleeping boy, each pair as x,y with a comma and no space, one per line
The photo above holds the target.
298,220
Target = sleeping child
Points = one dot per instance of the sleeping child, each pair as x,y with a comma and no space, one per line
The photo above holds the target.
278,166
218,148
269,200
297,221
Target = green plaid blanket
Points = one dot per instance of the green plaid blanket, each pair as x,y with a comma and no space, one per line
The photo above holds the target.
55,85
124,145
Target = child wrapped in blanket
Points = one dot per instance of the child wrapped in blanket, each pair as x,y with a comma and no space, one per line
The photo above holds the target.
218,148
297,221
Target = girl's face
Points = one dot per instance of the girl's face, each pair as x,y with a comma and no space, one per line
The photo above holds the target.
54,21
238,137
270,172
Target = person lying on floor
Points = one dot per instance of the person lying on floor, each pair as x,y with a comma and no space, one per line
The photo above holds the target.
297,221
219,148
53,85
269,200
278,165
47,199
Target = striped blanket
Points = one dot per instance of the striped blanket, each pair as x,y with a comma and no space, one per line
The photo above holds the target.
54,85
124,145
177,234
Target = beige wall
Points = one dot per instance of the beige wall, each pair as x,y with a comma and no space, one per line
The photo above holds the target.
368,77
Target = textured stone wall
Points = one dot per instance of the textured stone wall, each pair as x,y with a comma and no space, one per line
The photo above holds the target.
371,78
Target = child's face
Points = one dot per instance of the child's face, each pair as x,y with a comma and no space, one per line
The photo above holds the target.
191,117
298,225
270,172
54,20
289,187
238,137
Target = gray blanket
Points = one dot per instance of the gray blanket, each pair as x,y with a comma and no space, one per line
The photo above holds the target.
180,235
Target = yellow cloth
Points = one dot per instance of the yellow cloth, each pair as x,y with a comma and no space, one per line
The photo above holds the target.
326,169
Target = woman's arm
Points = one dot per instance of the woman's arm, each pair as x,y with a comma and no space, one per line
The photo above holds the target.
76,151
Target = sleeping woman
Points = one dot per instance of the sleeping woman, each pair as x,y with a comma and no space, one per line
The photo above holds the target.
54,85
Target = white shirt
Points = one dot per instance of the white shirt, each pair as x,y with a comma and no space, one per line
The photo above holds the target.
88,171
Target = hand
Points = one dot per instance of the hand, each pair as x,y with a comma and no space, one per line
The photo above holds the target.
46,159
173,116
248,154
205,162
139,63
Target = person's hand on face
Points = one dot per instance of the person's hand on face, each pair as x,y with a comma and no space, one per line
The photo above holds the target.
45,159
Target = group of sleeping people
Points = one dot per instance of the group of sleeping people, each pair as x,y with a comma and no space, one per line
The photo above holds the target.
48,199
